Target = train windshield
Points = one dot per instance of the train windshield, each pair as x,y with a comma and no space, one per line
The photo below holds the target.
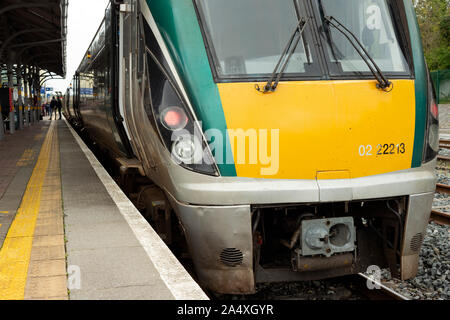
247,37
372,23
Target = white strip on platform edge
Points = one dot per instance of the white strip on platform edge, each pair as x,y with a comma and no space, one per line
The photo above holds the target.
174,275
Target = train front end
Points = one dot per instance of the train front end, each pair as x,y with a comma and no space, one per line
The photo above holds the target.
299,136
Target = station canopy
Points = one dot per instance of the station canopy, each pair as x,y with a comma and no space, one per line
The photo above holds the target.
33,33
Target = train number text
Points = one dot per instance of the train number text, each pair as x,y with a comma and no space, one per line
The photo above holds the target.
385,149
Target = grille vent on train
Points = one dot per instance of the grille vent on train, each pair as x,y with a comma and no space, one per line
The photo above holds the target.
231,257
416,242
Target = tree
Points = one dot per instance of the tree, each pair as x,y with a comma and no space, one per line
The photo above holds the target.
434,21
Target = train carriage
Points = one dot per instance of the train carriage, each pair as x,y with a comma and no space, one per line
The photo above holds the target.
293,139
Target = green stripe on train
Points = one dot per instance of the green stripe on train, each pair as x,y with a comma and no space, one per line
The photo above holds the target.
420,83
178,24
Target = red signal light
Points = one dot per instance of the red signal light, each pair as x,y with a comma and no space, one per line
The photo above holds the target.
174,118
434,109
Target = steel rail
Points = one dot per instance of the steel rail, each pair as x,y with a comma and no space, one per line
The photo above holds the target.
386,292
441,218
442,188
444,144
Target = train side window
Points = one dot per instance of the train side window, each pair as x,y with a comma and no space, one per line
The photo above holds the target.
157,88
161,91
153,46
144,72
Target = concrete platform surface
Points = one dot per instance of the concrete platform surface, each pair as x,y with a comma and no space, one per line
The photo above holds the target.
67,231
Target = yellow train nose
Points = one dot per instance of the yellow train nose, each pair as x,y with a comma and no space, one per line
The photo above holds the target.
320,126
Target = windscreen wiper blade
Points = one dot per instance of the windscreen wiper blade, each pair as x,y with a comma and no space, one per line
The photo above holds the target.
286,55
337,55
383,82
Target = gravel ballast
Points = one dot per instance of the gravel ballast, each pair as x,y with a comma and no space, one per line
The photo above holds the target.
433,279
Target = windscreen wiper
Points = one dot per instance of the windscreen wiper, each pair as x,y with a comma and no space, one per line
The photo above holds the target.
337,55
286,55
383,82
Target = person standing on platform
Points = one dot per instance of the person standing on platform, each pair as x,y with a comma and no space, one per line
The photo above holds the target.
53,106
59,106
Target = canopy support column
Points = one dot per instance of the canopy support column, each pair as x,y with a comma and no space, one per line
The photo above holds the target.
20,99
12,114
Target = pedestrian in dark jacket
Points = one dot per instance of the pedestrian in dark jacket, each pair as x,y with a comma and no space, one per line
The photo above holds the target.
53,106
59,106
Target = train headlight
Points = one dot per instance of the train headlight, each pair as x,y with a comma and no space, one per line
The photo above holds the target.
183,149
174,120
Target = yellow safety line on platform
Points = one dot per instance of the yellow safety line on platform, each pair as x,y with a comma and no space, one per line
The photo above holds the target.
16,251
5,212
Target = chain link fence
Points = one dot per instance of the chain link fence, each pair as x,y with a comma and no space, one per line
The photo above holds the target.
441,79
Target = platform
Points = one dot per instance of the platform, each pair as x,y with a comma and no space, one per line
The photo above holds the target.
68,232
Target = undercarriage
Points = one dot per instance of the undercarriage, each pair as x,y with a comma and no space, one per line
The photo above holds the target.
309,242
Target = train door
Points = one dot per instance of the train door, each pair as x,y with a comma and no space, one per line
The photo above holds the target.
133,87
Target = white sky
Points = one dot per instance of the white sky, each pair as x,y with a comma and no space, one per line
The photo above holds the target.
83,21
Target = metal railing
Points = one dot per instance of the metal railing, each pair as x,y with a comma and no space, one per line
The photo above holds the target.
441,80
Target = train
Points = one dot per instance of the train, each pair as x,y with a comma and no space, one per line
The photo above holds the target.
288,140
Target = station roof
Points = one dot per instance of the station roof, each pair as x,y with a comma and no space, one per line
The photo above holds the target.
36,32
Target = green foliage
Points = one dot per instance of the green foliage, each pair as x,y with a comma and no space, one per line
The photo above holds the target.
434,21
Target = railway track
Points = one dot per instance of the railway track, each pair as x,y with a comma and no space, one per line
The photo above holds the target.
443,188
350,287
443,159
444,144
382,292
441,217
